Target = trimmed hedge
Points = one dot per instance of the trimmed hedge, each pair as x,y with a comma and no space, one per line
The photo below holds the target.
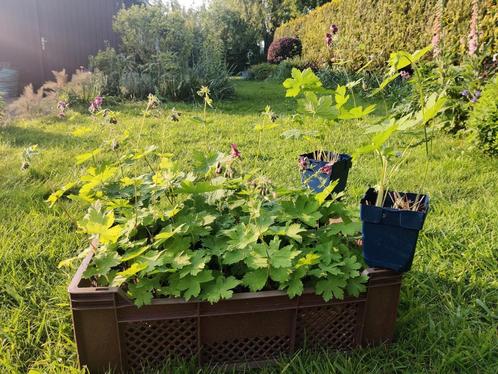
483,119
371,29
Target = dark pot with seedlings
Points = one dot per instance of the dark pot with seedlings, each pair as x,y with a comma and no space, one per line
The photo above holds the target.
391,227
320,168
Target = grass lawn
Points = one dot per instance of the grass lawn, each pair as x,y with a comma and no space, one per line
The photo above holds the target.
448,310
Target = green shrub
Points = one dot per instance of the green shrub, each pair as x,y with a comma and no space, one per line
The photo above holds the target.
83,87
111,64
331,77
370,29
146,31
136,84
483,120
284,69
233,33
461,83
164,52
213,74
262,71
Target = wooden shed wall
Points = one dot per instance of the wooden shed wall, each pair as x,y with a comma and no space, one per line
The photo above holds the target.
38,36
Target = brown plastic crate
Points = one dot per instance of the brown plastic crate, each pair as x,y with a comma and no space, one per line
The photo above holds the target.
248,329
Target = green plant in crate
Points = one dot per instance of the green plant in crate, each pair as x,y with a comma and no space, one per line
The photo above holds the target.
211,231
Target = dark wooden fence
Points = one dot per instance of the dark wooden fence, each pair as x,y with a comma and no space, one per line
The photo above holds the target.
38,36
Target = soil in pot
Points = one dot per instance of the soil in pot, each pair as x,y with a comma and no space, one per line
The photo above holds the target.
320,168
390,232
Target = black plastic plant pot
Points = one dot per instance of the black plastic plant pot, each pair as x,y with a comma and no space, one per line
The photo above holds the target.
389,234
320,168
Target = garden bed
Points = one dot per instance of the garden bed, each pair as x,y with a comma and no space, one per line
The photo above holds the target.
250,328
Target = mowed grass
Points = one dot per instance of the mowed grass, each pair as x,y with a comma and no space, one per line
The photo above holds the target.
448,313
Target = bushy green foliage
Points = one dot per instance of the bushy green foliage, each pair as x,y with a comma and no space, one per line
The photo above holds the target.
149,30
483,119
262,71
210,232
335,75
111,64
370,29
165,52
461,83
229,29
284,69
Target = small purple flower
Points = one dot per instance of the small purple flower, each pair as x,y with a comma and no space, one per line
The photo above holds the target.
405,74
334,29
96,104
98,101
327,169
477,94
473,100
62,107
303,163
234,152
328,39
465,93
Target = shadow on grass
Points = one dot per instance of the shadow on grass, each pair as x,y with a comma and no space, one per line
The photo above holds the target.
27,136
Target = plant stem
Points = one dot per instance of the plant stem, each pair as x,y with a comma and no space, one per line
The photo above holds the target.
149,165
382,182
420,89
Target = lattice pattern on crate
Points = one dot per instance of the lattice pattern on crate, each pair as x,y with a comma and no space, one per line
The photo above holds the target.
329,327
148,343
247,349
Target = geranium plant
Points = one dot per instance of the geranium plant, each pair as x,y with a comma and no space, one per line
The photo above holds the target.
210,232
319,168
430,104
392,220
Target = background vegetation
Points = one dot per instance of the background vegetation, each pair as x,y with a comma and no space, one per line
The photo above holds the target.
370,29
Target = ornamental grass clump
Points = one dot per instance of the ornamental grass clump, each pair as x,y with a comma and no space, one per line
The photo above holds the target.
211,231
